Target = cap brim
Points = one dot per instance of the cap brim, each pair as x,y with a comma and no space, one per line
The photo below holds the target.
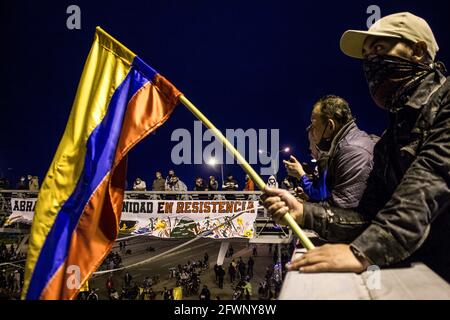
352,41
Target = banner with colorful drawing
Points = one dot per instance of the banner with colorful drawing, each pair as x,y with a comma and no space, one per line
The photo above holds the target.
181,219
170,218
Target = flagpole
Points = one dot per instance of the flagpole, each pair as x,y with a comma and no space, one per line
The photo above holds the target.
246,166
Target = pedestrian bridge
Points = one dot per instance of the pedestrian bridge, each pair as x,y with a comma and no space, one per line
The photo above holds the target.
266,231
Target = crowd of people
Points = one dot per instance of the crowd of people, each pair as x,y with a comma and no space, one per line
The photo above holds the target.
30,183
188,275
114,258
129,289
195,279
10,254
187,278
11,283
112,261
11,276
173,183
239,274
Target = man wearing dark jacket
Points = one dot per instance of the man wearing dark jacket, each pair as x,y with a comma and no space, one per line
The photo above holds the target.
221,275
404,212
345,151
230,184
22,184
159,184
205,294
200,186
213,185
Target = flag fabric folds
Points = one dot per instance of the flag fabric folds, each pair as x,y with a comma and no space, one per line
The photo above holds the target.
120,100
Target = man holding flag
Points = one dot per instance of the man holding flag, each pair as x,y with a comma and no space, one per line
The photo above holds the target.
404,212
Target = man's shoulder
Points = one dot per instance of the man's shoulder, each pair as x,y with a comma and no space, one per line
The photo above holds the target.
357,140
445,92
446,84
438,104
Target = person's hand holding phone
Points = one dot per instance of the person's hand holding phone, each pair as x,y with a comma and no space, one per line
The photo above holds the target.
294,168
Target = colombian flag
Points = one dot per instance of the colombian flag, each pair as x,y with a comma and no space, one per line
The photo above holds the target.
120,100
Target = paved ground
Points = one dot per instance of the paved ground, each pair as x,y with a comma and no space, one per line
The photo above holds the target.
193,252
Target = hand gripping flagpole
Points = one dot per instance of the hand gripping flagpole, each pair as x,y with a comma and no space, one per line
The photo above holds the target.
247,168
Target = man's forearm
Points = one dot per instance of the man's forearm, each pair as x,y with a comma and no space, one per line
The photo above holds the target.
331,223
378,246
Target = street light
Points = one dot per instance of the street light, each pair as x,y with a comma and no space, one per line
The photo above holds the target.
284,150
213,162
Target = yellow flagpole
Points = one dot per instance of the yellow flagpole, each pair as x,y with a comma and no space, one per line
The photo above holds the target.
246,166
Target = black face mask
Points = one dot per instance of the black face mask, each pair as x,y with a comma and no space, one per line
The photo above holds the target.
324,144
391,79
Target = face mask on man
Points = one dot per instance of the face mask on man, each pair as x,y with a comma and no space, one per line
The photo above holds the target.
392,78
324,144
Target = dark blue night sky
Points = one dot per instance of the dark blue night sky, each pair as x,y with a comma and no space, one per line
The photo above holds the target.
245,64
